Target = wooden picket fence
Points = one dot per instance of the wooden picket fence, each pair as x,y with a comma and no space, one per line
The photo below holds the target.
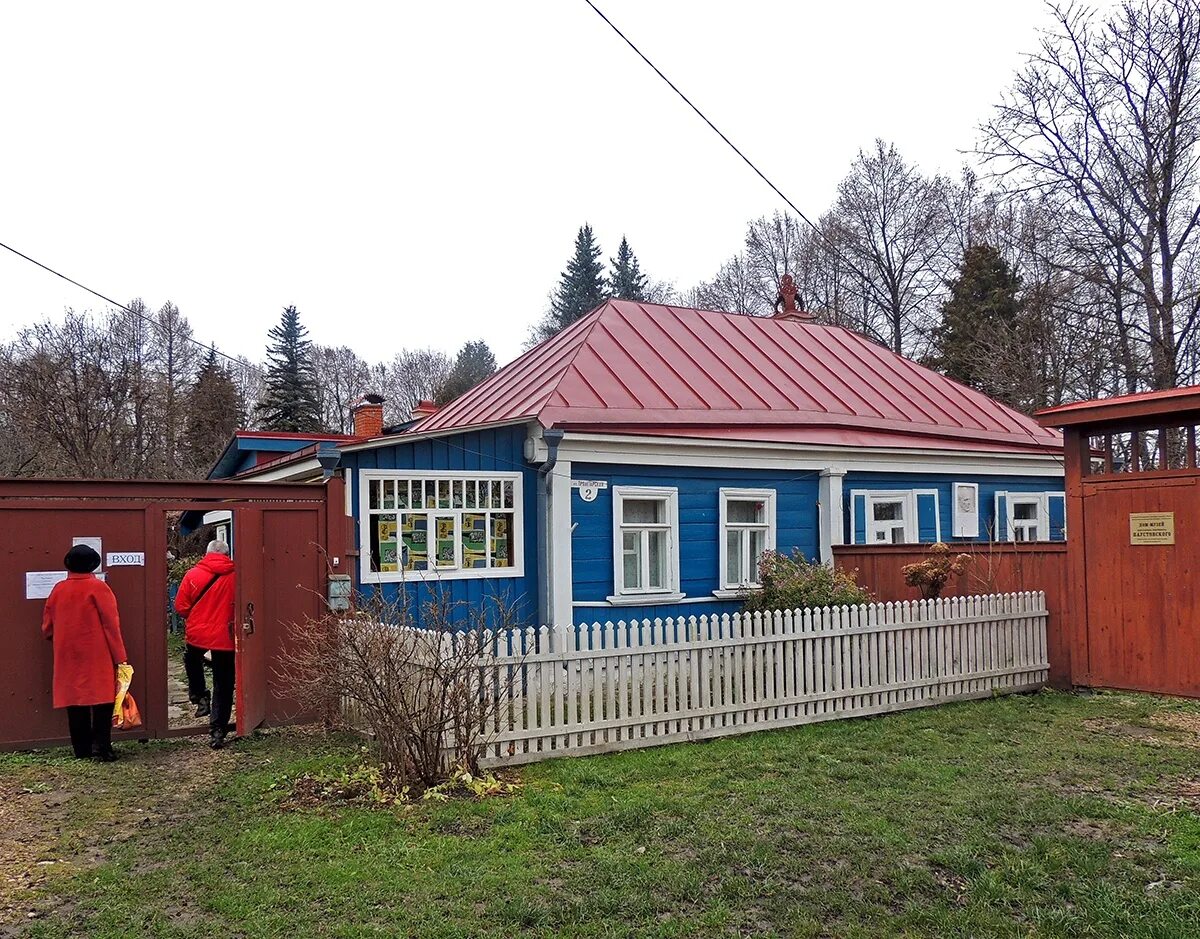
649,682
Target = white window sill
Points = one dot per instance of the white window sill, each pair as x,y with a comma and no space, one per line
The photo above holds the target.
735,593
644,599
435,576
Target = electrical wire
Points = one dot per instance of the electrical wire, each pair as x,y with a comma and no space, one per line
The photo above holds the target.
732,146
240,363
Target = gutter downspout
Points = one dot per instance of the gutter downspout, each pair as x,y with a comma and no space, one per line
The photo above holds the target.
552,438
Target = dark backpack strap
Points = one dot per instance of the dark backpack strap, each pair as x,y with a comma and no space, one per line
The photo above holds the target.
206,587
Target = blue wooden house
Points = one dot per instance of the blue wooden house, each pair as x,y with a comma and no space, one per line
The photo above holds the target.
639,463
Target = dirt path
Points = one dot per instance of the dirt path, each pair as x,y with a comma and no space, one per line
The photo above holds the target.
58,816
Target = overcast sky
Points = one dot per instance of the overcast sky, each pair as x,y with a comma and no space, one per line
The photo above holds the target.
413,174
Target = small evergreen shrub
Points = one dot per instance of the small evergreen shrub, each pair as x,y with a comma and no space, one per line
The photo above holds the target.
791,581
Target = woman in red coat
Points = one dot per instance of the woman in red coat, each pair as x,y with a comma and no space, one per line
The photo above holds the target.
81,620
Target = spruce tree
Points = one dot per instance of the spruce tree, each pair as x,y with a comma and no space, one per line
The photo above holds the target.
214,411
980,323
626,280
291,401
581,285
474,363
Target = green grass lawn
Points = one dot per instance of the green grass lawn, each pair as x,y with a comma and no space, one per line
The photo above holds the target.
1043,815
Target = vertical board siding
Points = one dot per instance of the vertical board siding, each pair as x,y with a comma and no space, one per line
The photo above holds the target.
994,568
500,450
614,686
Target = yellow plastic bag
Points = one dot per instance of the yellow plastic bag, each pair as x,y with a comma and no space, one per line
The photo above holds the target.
124,680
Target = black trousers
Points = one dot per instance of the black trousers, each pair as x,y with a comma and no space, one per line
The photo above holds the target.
223,669
91,728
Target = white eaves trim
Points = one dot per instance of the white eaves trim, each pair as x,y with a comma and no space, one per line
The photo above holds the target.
694,451
302,471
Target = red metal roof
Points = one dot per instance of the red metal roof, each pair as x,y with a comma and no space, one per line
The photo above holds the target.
648,368
1182,403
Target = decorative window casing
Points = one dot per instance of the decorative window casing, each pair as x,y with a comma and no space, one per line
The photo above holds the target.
747,530
645,544
1030,516
439,525
891,517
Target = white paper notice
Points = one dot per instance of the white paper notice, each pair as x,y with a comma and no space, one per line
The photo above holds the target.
38,584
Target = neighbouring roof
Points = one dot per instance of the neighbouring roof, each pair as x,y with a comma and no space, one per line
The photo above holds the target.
1182,404
645,368
249,448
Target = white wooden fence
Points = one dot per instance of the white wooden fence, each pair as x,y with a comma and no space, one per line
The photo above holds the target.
645,683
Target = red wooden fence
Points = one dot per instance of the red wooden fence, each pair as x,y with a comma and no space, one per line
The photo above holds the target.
995,568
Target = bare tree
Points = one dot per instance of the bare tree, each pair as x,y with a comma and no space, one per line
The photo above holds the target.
890,223
412,376
342,377
1105,117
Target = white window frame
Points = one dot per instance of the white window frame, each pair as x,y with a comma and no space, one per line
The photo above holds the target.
907,497
670,593
1041,524
435,574
768,498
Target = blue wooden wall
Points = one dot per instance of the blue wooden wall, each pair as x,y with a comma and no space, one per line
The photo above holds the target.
500,450
699,520
944,484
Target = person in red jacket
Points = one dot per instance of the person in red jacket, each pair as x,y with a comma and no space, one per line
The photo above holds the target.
82,622
205,601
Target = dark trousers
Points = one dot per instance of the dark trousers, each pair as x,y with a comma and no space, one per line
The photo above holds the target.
223,669
193,665
91,728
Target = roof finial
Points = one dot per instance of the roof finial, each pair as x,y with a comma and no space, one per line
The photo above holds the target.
792,310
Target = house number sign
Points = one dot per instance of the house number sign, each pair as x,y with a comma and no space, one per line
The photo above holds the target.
588,488
1152,528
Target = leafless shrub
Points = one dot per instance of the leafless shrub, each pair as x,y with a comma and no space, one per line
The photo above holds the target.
426,697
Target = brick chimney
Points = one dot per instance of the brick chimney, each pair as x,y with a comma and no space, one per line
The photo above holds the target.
368,416
423,409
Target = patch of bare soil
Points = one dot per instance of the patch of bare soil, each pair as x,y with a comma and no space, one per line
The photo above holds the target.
60,818
1112,727
1186,724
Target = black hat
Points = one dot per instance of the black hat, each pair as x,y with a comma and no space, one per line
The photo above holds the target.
81,559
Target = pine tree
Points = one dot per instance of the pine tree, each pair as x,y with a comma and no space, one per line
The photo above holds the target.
214,411
474,363
291,401
626,280
980,324
581,288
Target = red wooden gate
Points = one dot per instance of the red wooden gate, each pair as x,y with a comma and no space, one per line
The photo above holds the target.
287,537
1133,540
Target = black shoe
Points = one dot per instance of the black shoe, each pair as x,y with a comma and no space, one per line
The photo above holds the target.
108,755
203,707
216,739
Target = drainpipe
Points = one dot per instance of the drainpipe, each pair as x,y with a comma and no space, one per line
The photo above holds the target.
552,437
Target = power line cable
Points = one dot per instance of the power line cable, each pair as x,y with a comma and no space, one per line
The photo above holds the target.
732,146
240,363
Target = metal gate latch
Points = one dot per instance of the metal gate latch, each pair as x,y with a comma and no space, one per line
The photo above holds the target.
248,625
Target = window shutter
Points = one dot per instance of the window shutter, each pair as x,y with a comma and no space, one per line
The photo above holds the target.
927,520
858,511
1001,522
1058,515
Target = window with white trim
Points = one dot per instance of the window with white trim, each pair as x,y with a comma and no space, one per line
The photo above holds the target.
890,517
440,524
1027,517
747,530
645,541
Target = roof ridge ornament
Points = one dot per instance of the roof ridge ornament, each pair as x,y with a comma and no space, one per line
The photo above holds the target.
791,310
